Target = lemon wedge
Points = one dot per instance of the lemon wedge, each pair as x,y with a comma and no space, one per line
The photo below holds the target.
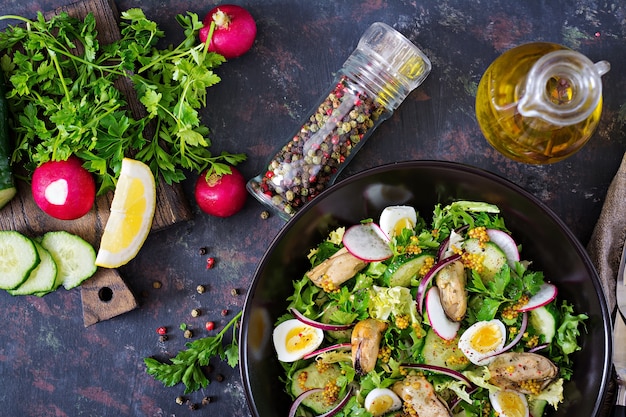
132,211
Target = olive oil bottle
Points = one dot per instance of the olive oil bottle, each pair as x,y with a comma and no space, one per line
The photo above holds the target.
540,102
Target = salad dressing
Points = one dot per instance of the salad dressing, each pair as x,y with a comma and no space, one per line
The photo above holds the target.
540,102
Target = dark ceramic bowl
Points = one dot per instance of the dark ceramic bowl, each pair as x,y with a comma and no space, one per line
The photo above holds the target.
545,239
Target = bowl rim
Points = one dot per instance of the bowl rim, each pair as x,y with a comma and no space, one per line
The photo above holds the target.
448,165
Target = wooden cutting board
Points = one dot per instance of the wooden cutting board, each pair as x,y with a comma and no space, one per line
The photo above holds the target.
105,295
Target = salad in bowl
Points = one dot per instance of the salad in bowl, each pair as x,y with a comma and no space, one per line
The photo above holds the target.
404,316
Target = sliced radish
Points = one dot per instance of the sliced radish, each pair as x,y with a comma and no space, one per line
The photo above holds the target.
505,242
544,296
421,290
441,324
317,324
367,242
440,370
338,346
301,397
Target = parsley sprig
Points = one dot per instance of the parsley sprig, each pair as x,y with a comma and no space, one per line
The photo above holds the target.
186,366
65,99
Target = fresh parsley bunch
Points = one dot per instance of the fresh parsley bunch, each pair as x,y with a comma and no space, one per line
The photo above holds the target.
65,99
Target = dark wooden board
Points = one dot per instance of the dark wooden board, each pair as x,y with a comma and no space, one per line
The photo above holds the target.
23,214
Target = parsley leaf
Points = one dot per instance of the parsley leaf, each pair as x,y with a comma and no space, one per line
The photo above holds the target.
186,366
64,96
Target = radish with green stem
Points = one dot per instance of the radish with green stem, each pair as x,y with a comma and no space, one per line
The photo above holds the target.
230,29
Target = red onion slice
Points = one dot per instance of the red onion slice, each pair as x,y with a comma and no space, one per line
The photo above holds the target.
421,290
458,400
440,370
338,346
539,347
516,340
301,397
317,324
339,406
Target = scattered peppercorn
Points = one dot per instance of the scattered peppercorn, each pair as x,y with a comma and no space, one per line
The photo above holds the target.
157,285
161,330
234,292
210,262
163,338
188,334
209,325
200,289
202,251
219,377
265,215
180,400
195,312
206,400
193,406
224,312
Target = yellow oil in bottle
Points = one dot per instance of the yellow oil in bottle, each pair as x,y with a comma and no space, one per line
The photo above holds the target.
522,138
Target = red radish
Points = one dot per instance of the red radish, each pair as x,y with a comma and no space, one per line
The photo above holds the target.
367,242
63,189
234,31
221,195
441,324
544,296
506,243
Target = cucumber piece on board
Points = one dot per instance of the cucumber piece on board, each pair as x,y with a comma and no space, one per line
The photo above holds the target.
41,279
18,257
75,257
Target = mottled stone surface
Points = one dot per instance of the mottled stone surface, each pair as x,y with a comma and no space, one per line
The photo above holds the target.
51,365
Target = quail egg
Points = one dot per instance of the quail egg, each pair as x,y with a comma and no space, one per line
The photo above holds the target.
508,403
394,219
293,339
380,401
481,340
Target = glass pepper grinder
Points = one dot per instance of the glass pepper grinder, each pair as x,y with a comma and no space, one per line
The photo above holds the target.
383,69
540,102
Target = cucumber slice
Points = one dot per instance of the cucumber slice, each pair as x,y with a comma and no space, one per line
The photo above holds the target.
75,258
18,257
537,407
445,353
315,379
494,258
544,322
402,270
42,278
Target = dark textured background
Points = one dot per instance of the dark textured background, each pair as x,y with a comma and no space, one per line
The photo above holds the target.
50,365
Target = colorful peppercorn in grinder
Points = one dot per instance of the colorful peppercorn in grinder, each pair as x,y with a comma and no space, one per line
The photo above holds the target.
381,72
540,102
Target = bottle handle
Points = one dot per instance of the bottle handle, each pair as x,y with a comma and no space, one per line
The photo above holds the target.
602,67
